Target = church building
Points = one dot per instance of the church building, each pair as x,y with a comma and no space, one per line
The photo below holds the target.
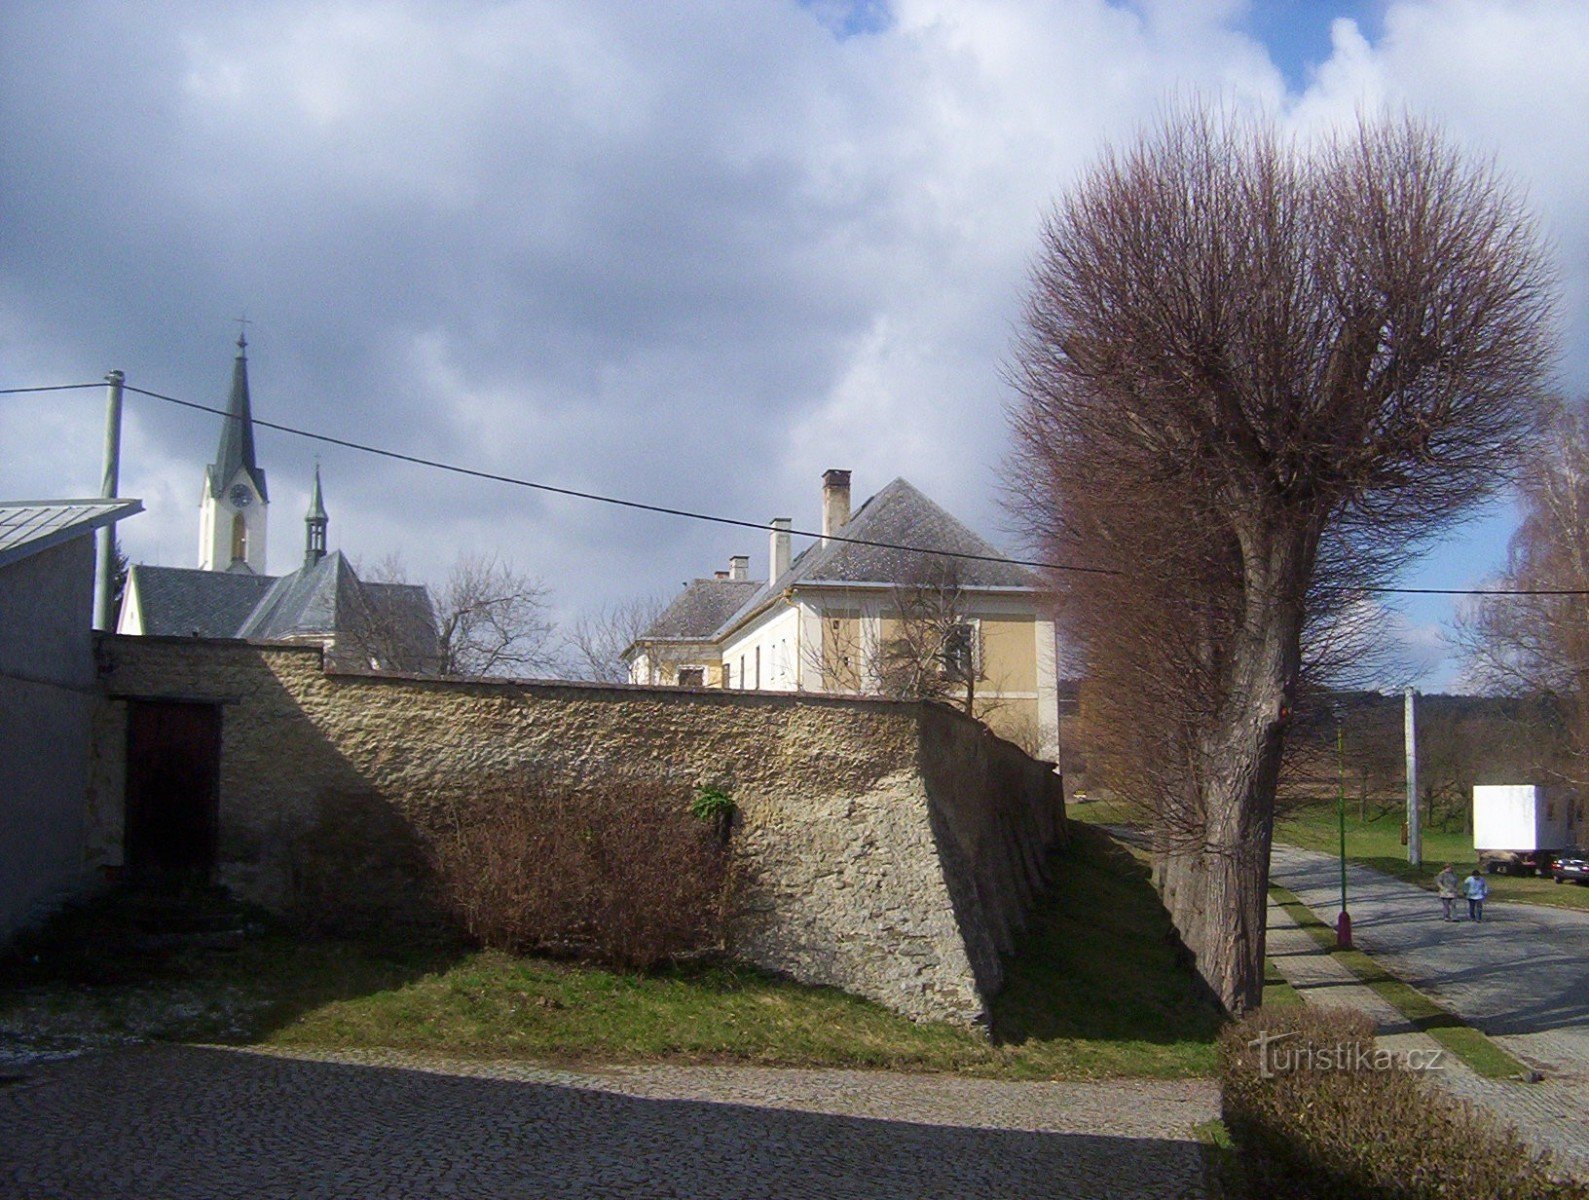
362,626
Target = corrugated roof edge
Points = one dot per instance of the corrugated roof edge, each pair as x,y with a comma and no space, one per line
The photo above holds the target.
44,541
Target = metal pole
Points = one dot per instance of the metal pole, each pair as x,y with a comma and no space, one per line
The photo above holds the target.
106,534
1343,923
1414,835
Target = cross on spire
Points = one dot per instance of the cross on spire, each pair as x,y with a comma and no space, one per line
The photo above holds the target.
242,323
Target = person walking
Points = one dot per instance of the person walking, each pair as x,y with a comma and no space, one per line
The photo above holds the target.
1446,884
1476,889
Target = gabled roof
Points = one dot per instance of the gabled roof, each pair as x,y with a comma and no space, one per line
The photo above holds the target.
696,613
184,602
236,451
28,527
900,515
390,621
320,599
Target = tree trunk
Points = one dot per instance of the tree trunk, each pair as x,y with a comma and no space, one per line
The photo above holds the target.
1216,871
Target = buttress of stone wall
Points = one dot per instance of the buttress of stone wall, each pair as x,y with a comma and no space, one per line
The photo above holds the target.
996,812
883,848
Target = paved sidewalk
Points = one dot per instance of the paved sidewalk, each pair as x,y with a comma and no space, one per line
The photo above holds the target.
180,1122
1553,1114
1522,975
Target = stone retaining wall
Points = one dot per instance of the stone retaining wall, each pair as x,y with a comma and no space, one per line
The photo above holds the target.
889,849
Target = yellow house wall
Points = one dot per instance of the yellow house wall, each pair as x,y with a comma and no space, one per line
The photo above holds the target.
1009,653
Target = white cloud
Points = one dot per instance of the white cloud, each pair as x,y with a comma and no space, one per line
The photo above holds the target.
678,253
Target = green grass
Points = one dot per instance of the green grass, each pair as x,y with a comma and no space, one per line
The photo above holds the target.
1450,1030
1094,989
1377,843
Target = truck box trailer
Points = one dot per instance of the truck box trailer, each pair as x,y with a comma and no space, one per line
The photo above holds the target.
1517,826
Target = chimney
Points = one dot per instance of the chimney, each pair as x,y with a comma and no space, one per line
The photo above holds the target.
739,566
778,549
835,502
719,574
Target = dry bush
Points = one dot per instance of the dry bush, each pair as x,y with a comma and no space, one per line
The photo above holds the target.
616,870
1328,1129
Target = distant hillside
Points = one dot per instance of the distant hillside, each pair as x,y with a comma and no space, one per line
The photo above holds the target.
1462,741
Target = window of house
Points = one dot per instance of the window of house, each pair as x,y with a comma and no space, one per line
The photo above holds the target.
239,538
758,668
960,651
692,676
742,671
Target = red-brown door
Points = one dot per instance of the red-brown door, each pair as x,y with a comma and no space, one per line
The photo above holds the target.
173,789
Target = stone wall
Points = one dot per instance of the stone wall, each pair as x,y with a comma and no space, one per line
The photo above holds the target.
886,848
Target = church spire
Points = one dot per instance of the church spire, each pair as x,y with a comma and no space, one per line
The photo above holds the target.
236,451
315,543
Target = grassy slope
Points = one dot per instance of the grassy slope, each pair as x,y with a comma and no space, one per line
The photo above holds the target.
1377,843
1094,989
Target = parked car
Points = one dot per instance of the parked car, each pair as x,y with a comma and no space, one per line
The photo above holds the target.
1570,864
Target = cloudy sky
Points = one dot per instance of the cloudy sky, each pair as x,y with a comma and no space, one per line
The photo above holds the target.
687,253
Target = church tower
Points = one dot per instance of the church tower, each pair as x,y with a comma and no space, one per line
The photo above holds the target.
232,511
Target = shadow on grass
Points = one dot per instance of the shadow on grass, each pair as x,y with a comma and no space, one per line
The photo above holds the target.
1100,960
226,971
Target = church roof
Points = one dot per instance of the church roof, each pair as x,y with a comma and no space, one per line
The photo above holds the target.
901,515
185,602
322,598
392,622
28,527
236,451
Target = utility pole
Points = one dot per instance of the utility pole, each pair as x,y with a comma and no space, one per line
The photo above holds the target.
106,534
1414,834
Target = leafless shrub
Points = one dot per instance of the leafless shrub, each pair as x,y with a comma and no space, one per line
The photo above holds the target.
616,870
1318,1111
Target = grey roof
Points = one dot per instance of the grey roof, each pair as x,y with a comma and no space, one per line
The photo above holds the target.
902,516
182,601
236,451
322,598
28,527
705,604
393,622
404,610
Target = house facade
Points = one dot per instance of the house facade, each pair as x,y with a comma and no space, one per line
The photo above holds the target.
898,598
48,693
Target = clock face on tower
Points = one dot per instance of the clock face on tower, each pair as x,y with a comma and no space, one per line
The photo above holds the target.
240,496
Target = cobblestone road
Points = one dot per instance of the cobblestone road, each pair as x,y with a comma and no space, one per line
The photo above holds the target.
184,1121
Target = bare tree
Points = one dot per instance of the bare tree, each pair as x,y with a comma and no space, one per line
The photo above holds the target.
1536,642
595,645
1256,376
931,652
491,620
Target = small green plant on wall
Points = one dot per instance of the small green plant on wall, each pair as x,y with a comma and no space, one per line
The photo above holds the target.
715,805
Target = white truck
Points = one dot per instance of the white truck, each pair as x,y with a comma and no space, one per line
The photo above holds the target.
1518,826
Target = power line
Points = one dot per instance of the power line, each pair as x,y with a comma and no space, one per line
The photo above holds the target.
599,498
641,506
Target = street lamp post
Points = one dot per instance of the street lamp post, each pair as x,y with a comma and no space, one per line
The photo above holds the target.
1343,923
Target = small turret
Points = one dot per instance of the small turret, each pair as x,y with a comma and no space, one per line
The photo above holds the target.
316,521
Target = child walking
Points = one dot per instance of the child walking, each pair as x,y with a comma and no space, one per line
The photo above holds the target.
1476,889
